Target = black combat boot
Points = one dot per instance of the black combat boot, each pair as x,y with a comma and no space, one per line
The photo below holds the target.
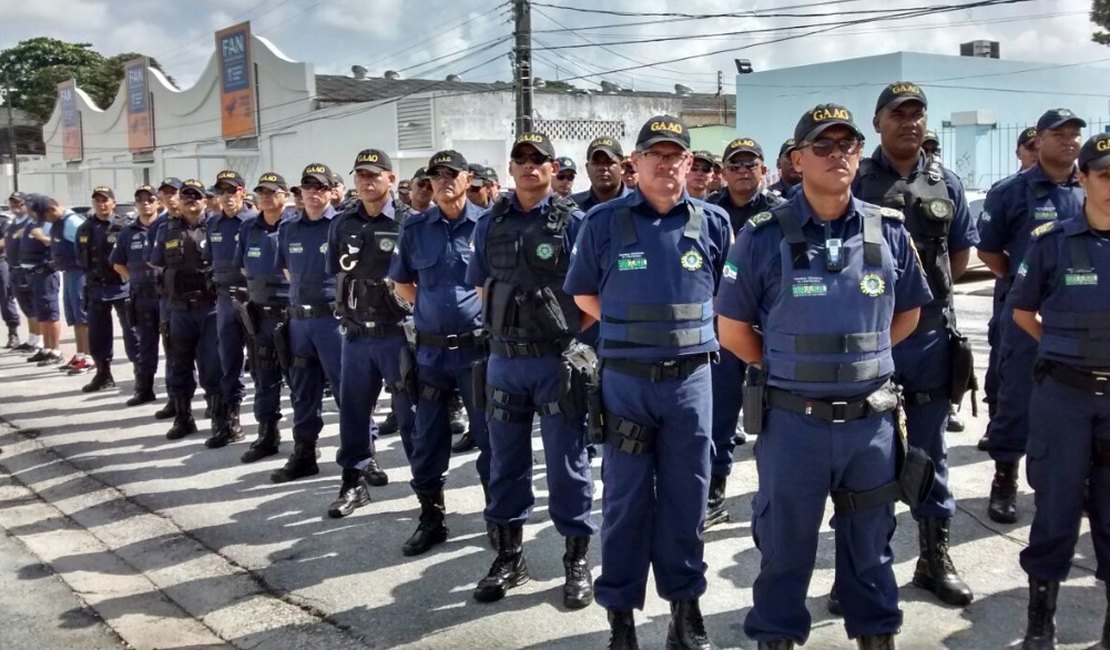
431,530
1041,632
715,512
687,630
777,644
508,570
101,380
1003,500
168,411
935,571
833,602
876,642
144,391
353,493
465,443
374,474
984,443
229,429
183,423
388,426
266,444
578,590
622,630
301,463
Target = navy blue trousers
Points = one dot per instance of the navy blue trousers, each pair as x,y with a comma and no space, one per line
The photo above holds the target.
370,363
653,504
728,383
266,372
531,382
317,347
429,449
1009,428
231,337
192,332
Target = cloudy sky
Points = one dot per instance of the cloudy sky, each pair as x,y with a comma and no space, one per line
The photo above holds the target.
433,38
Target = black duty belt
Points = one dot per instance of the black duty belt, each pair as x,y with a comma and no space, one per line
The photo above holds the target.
377,330
521,349
234,292
192,303
822,409
303,312
452,341
270,311
1096,383
679,368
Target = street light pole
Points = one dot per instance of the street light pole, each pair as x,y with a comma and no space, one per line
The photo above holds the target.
11,133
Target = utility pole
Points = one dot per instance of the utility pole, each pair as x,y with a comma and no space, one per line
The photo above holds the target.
522,32
11,133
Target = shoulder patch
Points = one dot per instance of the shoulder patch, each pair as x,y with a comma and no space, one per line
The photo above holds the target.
1045,228
891,213
760,219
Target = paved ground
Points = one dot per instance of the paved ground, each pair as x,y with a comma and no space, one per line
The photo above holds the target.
175,545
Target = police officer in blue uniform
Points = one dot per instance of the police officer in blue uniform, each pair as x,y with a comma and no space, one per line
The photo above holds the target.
1065,278
105,290
129,260
930,365
360,249
647,266
563,183
178,252
1011,211
833,284
1026,152
170,199
521,255
603,167
264,310
429,269
8,307
223,239
742,198
44,279
312,345
21,282
790,179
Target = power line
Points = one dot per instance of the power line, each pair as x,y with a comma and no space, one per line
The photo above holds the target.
667,14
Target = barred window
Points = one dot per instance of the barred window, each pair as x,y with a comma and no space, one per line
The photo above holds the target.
580,129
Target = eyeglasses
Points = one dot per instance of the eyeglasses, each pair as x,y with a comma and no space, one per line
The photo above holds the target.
536,159
823,148
668,159
742,164
189,197
223,191
314,187
146,199
705,169
444,173
423,183
565,177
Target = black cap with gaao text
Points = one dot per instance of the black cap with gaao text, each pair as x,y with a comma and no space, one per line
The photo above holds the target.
816,120
899,93
663,128
373,160
1095,153
538,141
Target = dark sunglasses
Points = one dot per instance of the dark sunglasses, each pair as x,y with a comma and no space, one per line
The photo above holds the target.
190,197
146,199
536,159
221,191
742,164
705,169
422,183
569,176
824,147
314,187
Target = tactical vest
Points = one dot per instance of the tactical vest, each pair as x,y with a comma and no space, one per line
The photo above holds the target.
1080,336
528,260
62,253
271,288
928,213
186,276
94,246
639,302
365,249
141,276
13,233
831,327
223,234
32,252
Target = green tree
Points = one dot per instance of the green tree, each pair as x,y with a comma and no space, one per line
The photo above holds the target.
32,69
1100,15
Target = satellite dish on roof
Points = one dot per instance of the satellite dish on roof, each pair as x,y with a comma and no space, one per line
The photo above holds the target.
359,71
681,89
392,74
